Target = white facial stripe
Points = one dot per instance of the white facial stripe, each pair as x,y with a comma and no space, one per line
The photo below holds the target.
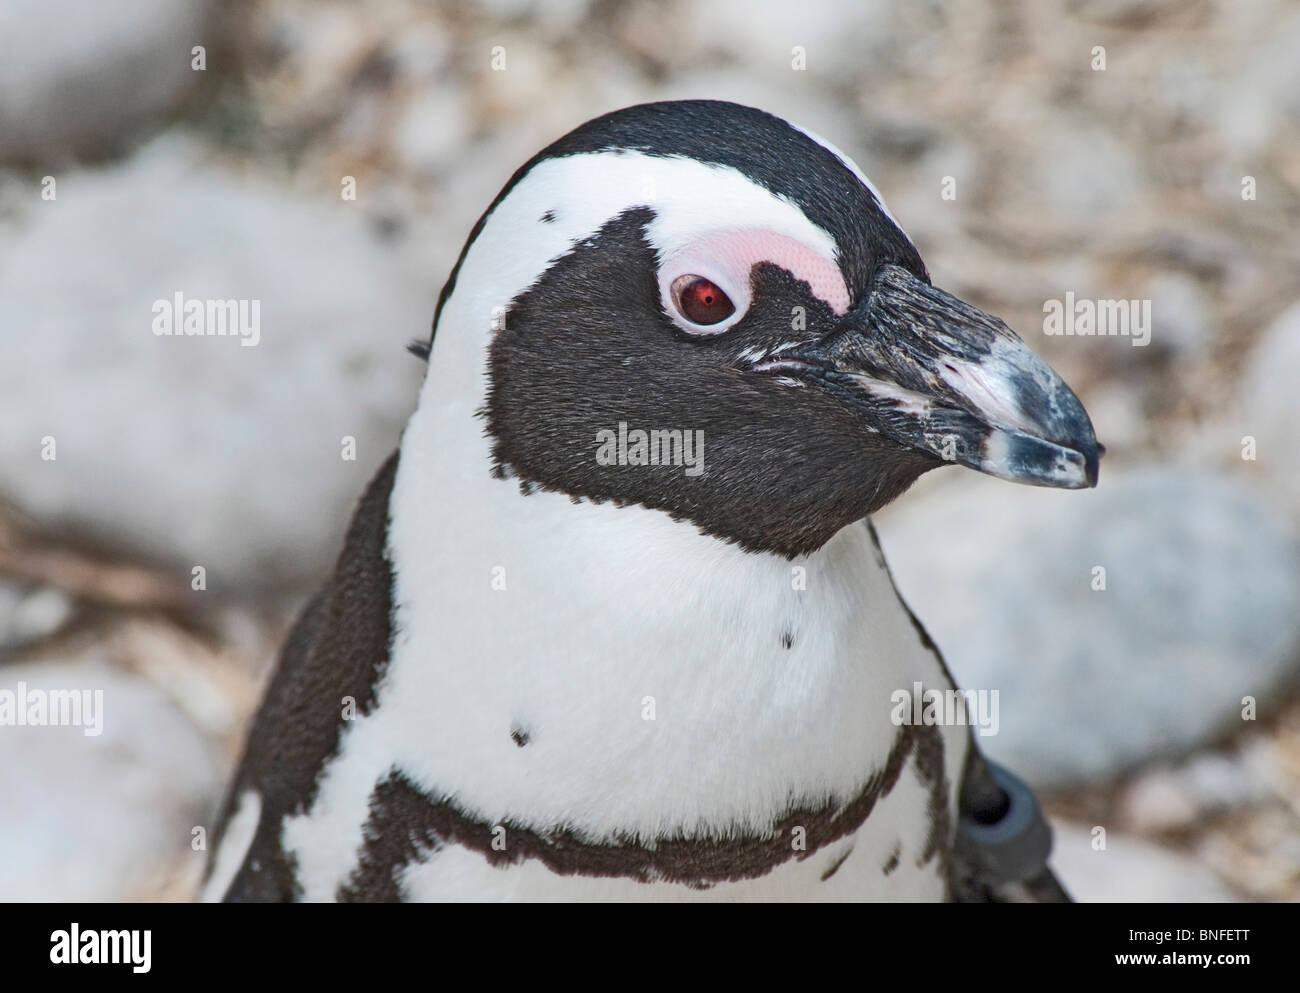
693,198
582,192
853,168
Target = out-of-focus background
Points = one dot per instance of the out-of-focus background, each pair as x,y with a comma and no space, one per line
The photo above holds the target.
169,502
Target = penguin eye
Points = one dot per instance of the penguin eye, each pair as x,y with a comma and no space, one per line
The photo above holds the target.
701,301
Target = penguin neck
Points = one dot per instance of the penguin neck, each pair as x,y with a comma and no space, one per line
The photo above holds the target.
623,647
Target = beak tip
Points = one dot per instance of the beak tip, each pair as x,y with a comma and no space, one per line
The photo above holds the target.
1092,464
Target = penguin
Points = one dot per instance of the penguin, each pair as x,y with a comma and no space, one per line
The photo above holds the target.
612,622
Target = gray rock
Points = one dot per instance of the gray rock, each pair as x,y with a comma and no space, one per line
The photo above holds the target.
1117,415
838,41
78,74
28,615
1268,404
434,129
1255,106
1182,315
197,450
1129,870
1171,798
1159,800
126,800
1082,171
1199,610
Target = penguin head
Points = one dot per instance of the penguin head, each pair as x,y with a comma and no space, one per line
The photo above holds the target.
702,309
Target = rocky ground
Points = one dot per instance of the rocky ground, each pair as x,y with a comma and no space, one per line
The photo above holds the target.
1123,705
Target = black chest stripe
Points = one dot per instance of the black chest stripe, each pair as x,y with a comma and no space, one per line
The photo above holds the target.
407,825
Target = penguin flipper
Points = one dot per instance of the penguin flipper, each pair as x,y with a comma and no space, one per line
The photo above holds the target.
337,649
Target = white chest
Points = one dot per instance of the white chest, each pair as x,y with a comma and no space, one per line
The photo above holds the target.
661,682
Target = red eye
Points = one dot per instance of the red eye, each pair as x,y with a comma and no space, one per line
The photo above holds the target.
701,301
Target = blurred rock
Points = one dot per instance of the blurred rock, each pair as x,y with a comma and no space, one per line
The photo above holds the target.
1158,800
1260,854
1182,319
434,129
197,450
1130,871
1118,418
1174,798
79,75
838,41
1202,579
1263,96
1081,171
28,615
125,799
1219,781
1270,405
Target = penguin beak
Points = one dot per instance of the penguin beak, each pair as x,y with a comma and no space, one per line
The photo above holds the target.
938,376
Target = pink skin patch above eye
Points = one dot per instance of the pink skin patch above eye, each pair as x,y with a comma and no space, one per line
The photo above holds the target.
728,257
